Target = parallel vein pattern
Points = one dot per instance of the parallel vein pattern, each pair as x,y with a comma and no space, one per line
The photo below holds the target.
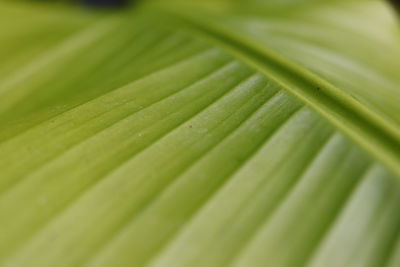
376,133
159,149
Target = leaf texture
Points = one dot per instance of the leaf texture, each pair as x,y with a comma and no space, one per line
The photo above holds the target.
202,133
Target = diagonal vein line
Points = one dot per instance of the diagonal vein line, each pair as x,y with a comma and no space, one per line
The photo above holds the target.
17,181
339,213
104,176
230,176
105,94
368,129
391,232
393,243
146,206
286,192
310,163
81,39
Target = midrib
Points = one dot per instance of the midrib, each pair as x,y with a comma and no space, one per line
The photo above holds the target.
376,134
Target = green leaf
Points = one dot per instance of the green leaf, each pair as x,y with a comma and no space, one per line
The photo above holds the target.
200,133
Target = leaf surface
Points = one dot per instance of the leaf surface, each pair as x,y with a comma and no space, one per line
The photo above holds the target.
202,133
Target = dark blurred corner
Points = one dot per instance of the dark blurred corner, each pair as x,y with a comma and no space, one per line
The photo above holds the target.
105,3
396,4
122,3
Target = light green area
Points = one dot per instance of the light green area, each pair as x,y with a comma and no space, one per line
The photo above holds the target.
200,134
